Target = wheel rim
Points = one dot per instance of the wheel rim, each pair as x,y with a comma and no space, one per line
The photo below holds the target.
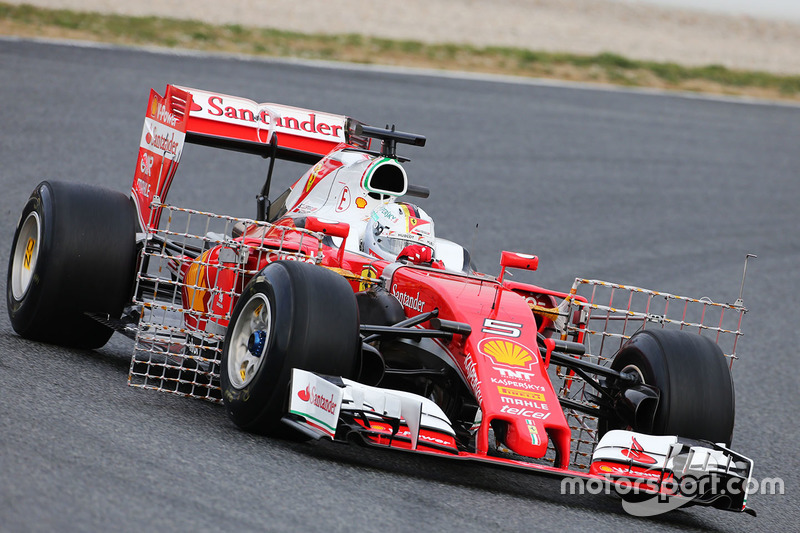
249,340
26,255
633,369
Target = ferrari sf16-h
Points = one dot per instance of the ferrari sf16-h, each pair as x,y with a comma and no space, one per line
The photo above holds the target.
338,313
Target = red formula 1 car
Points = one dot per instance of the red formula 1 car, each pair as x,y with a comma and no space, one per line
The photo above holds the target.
339,313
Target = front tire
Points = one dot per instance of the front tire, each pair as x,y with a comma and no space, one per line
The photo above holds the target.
292,315
74,252
697,395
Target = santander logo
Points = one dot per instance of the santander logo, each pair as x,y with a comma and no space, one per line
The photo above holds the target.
308,394
160,141
231,109
305,394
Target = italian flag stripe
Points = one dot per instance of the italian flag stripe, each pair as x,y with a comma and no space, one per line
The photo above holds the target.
316,422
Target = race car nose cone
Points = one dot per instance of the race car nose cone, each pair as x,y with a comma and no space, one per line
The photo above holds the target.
255,344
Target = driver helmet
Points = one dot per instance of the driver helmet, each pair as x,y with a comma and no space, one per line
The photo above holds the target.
394,226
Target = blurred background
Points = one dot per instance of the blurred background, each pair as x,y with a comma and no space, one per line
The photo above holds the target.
745,34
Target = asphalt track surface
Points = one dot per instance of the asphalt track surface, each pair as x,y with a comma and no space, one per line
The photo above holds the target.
658,191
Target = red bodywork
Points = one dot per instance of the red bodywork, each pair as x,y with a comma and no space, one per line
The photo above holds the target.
500,360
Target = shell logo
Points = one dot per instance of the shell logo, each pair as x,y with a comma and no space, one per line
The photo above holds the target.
504,352
154,107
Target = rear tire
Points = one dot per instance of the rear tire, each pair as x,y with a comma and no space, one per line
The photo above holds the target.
306,317
697,395
74,251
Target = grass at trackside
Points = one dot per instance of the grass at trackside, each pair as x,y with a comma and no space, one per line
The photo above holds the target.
28,21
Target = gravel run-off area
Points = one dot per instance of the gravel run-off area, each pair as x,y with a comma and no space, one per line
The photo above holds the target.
580,26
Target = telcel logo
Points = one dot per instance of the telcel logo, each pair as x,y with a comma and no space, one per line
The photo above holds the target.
521,411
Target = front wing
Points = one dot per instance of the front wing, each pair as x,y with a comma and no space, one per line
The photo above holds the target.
654,469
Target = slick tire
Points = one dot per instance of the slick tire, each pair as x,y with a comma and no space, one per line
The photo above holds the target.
292,315
74,251
690,371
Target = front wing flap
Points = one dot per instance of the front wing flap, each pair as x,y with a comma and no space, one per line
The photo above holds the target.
336,408
674,470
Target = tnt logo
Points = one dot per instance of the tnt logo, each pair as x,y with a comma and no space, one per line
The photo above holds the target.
516,374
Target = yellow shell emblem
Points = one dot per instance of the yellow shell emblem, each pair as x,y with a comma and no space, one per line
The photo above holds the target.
507,353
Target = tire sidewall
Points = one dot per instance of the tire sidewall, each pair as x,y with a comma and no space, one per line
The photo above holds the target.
256,399
23,312
697,396
644,353
86,263
314,327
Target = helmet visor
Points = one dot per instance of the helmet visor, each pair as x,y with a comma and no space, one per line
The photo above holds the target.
392,246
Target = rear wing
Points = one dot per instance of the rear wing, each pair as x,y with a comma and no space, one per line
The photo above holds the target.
160,148
222,121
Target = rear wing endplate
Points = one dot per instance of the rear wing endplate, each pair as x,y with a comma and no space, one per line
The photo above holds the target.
160,148
212,119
